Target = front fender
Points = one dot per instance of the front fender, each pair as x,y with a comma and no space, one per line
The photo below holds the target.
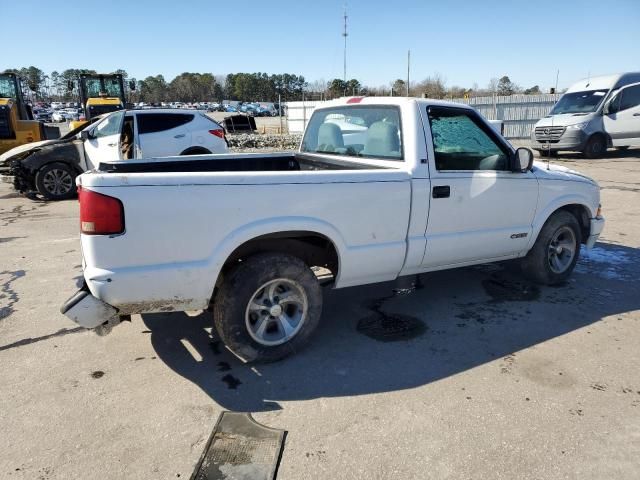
543,214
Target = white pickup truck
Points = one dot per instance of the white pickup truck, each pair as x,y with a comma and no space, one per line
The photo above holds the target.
380,188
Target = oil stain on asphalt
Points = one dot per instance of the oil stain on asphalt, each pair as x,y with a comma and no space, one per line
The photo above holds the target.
391,327
505,288
231,381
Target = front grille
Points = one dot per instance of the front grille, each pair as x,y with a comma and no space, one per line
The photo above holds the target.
549,134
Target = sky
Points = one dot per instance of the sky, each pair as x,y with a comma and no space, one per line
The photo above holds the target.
464,41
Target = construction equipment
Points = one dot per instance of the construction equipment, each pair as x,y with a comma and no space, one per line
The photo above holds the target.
99,94
17,125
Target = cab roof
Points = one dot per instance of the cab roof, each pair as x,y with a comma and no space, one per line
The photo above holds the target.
398,101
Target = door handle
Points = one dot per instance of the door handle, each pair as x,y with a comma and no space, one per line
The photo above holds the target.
111,144
636,114
441,191
180,135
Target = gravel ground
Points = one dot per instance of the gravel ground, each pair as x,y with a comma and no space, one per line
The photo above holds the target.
500,380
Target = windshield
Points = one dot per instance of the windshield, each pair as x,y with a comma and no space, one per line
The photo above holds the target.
77,130
93,87
7,87
579,102
362,131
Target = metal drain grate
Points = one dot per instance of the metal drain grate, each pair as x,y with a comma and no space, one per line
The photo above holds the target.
240,449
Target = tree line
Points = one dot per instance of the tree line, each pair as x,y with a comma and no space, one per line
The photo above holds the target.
201,87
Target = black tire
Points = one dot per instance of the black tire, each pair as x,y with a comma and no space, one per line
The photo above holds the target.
537,265
232,315
596,147
196,151
50,189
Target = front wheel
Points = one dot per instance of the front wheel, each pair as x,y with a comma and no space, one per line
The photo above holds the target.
555,253
267,307
56,181
595,148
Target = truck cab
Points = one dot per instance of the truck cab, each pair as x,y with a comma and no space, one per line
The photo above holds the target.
594,114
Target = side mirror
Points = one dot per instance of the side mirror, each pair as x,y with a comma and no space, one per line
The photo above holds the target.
85,135
523,160
132,85
70,85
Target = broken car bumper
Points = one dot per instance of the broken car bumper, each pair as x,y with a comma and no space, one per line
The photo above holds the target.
597,224
88,311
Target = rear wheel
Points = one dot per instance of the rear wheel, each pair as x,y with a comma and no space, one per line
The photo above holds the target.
267,307
556,251
196,151
56,181
596,147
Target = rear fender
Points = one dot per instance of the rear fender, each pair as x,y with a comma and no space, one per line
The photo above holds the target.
274,225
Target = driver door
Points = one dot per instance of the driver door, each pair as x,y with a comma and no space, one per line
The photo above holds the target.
622,116
103,144
479,209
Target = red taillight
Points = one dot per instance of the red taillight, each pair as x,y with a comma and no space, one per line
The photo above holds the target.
355,100
100,214
217,133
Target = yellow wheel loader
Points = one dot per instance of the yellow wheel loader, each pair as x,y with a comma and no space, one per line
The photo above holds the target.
17,125
99,94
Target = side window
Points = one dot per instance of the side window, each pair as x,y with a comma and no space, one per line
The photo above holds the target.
159,122
630,97
614,104
462,142
109,126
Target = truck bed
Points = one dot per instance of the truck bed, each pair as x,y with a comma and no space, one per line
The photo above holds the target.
252,162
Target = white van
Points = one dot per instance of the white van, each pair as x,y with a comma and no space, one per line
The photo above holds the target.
593,115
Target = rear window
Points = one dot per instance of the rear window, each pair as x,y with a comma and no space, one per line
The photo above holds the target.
357,131
159,122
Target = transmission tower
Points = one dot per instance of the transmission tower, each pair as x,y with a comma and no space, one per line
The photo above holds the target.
345,34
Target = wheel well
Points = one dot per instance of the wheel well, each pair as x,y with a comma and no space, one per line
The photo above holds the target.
605,138
72,167
196,151
583,216
314,249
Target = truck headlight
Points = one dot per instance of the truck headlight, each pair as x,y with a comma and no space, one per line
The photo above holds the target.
578,126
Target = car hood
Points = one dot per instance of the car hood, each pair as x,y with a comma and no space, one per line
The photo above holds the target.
27,147
550,171
564,119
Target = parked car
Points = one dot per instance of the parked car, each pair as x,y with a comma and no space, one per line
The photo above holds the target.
593,114
59,116
43,115
51,168
429,186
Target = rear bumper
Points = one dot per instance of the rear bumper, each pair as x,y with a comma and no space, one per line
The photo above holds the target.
87,311
597,224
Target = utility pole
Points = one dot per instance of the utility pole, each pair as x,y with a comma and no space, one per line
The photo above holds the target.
408,69
345,34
